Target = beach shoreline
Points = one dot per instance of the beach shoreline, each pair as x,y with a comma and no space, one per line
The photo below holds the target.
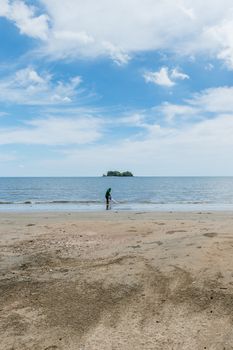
116,280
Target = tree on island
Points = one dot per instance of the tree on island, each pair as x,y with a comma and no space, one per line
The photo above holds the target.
118,173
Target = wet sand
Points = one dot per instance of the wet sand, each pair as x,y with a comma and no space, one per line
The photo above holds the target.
116,280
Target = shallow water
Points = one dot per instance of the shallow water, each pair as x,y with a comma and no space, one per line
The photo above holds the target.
137,193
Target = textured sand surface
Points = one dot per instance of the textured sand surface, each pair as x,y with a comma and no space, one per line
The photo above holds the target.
108,281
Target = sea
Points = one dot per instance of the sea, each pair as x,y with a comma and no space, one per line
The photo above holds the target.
128,193
24,194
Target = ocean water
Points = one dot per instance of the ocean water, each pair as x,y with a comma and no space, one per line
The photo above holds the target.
130,193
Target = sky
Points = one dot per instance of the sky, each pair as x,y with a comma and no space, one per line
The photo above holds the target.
91,86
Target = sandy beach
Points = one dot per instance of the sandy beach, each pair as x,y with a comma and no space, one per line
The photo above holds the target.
116,280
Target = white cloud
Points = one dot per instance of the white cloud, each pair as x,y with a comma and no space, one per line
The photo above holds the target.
164,77
25,18
54,131
209,104
165,151
201,144
72,36
118,29
171,111
115,29
220,36
29,87
188,11
27,76
128,26
215,100
117,54
177,75
134,119
160,78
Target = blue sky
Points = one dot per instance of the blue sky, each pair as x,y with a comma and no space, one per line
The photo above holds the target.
86,87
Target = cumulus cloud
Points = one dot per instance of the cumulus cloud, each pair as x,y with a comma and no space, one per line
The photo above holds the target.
90,28
220,36
164,77
25,18
160,78
27,86
116,29
128,26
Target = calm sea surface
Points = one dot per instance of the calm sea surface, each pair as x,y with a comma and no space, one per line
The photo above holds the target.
137,193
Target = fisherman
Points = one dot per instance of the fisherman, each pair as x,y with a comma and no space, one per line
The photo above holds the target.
108,198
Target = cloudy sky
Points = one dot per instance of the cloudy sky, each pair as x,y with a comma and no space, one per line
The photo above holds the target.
89,86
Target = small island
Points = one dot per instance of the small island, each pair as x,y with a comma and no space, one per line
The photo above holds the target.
118,173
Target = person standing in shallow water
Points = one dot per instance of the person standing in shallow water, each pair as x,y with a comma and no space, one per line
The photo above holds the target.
108,198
